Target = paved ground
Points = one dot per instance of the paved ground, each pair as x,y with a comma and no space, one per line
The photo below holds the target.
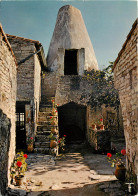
79,172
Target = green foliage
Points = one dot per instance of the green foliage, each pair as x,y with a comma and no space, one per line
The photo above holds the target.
15,170
52,137
103,91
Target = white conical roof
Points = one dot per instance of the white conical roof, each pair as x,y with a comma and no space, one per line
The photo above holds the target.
70,33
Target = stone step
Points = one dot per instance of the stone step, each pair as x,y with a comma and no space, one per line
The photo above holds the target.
46,127
42,150
42,144
41,128
43,133
45,123
43,119
44,114
41,138
46,118
45,107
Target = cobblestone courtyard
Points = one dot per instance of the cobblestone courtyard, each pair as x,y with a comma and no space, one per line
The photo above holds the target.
77,172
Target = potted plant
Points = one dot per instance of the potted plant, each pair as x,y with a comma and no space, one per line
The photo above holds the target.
98,124
61,143
30,144
18,177
54,108
118,162
18,168
53,140
53,120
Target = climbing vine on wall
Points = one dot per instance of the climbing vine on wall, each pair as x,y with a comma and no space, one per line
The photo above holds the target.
103,91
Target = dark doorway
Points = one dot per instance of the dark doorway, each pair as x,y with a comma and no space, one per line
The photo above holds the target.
70,62
72,122
20,127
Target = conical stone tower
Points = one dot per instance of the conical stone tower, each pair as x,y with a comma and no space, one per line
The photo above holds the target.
70,33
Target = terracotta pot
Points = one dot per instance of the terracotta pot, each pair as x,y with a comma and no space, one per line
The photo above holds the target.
120,172
18,180
54,112
93,126
54,122
30,148
101,127
53,144
54,130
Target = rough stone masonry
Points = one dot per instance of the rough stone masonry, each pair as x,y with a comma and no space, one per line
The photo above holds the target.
7,109
126,81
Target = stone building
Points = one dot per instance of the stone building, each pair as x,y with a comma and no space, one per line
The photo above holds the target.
71,54
126,81
31,62
8,70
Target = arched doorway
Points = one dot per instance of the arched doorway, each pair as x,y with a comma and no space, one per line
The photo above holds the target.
72,122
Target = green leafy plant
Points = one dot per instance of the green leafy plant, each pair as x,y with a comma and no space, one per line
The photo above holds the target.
52,137
117,159
19,165
61,142
30,140
104,91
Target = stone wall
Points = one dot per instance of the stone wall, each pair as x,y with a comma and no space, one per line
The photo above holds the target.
7,106
78,89
100,140
49,83
126,81
25,72
5,126
28,78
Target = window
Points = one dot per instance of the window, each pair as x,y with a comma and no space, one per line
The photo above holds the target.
70,62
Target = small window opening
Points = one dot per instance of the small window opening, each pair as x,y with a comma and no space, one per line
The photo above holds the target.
70,62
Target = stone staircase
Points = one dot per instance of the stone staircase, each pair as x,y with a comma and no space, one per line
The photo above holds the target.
42,142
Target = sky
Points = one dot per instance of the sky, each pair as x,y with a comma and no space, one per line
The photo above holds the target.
108,22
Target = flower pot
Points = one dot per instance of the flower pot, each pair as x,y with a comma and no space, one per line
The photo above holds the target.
54,131
101,127
54,122
30,148
93,126
54,112
53,144
18,180
120,172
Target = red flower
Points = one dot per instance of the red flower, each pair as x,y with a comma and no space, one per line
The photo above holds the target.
109,154
57,104
123,151
50,117
56,111
101,120
59,141
31,138
25,156
19,163
52,100
64,135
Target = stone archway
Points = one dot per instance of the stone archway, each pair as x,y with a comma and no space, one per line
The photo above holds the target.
72,122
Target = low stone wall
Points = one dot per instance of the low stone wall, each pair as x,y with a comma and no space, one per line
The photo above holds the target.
100,140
